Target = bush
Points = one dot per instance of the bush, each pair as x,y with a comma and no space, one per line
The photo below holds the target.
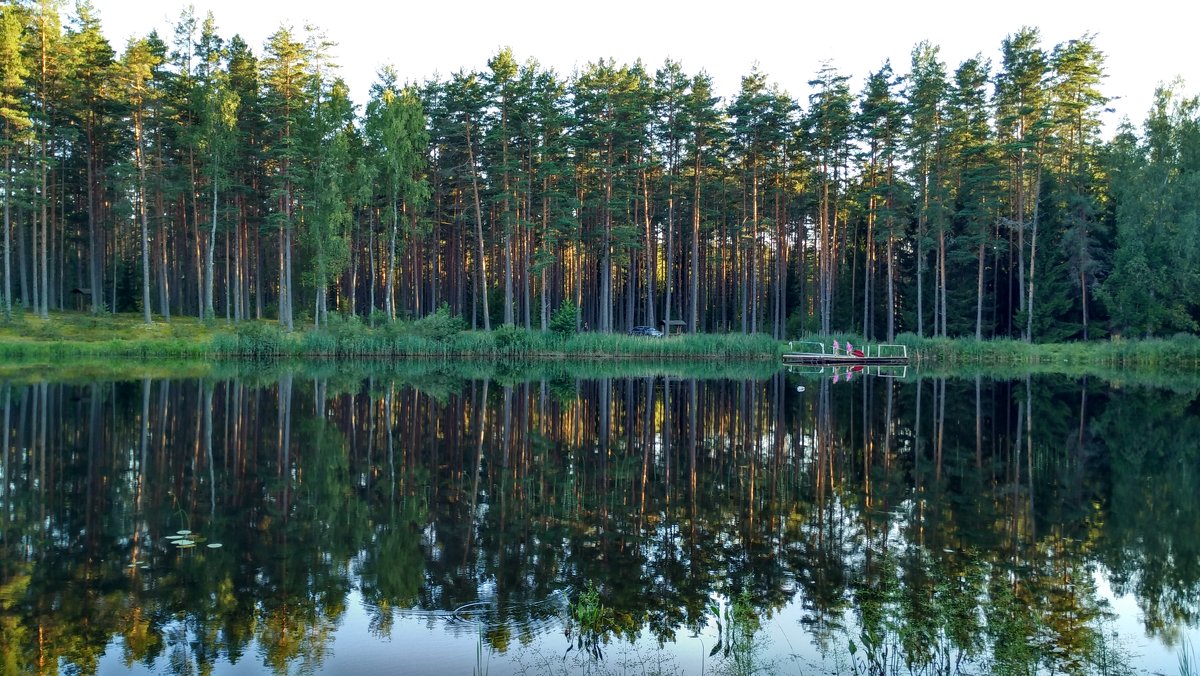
565,319
440,326
512,339
260,337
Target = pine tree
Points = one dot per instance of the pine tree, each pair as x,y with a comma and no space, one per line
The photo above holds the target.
705,132
926,96
1076,102
828,132
14,118
880,124
1021,123
976,165
287,105
139,62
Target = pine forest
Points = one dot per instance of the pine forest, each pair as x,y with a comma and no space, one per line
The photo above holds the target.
193,174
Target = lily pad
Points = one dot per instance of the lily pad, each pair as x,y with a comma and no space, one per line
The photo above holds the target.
214,545
184,543
184,532
174,537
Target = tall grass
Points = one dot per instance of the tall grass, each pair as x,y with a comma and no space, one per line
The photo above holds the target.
441,335
1182,350
392,341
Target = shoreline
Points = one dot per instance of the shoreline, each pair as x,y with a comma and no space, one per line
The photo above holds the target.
73,335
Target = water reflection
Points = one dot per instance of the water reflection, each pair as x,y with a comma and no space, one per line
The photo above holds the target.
926,525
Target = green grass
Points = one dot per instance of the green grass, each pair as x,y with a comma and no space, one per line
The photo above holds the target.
74,334
82,335
1180,351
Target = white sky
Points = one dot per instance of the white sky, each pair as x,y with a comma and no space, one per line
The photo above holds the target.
1146,43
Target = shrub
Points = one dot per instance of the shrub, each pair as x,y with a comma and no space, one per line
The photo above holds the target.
512,339
440,326
265,338
565,319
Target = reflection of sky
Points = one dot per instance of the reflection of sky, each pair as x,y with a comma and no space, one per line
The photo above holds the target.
1147,653
421,644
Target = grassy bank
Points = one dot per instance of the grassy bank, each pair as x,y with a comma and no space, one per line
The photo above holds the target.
438,336
1179,352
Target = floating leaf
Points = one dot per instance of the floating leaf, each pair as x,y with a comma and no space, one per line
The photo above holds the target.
185,543
214,545
174,537
184,532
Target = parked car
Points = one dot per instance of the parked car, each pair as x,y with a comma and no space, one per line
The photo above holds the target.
649,331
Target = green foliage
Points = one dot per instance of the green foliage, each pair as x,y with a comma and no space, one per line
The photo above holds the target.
565,319
252,338
513,340
440,326
589,611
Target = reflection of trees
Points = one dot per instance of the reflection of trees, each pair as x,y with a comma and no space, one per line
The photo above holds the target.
1152,543
935,524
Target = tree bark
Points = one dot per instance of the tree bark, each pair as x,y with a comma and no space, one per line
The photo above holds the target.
208,261
481,291
651,293
694,279
7,239
979,296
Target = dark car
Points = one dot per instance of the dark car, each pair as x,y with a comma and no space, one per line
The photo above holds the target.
645,331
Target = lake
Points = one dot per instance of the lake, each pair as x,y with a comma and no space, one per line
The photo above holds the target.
456,518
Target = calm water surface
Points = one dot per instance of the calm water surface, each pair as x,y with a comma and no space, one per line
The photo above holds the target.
446,519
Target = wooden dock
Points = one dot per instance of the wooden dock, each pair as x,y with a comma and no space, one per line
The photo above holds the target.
877,355
819,359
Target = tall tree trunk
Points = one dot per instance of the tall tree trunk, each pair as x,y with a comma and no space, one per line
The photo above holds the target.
670,258
754,249
605,319
7,242
545,312
23,267
651,273
920,250
942,276
868,268
44,267
481,291
1033,256
287,261
371,263
891,275
141,165
694,277
389,299
208,261
1083,290
93,245
979,296
508,278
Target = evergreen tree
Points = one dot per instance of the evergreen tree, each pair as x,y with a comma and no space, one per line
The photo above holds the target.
976,165
287,107
14,118
926,99
1022,117
828,128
